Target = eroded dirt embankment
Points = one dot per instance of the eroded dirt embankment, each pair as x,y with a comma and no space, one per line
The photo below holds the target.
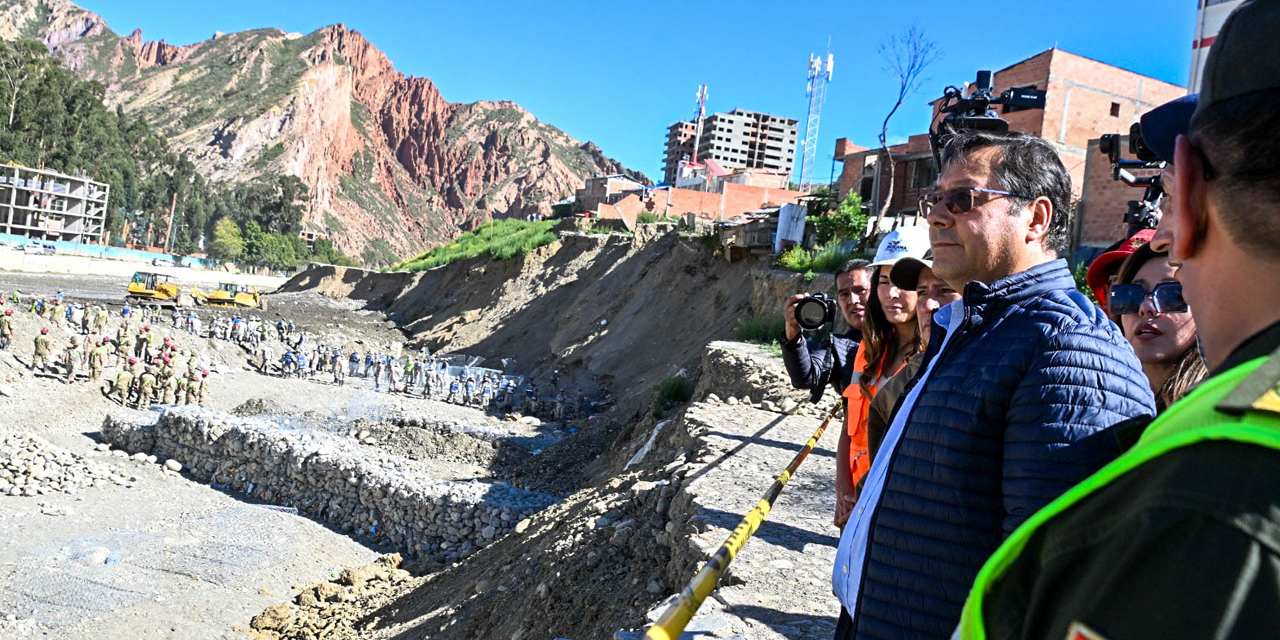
607,556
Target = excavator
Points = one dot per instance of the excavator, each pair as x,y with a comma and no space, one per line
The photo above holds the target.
229,294
156,288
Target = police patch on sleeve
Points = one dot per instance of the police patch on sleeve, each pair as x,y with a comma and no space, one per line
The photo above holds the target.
1269,401
1079,631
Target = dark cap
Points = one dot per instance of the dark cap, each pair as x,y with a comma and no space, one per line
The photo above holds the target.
1162,125
905,273
1242,59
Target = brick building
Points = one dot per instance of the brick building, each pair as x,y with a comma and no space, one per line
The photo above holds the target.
1084,99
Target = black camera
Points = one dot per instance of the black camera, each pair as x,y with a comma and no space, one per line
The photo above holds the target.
815,310
1144,213
974,113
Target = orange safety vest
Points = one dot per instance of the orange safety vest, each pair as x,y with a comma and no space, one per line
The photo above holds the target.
856,409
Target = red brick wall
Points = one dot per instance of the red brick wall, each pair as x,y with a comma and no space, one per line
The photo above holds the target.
1101,209
738,199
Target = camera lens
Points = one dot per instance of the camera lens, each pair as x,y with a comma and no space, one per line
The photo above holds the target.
811,314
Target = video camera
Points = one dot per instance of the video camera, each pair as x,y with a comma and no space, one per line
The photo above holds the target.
974,113
1144,213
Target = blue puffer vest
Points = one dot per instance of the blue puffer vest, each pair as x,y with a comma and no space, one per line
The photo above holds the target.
1016,411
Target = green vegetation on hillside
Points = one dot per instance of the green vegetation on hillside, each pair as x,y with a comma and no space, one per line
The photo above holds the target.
501,239
51,119
825,260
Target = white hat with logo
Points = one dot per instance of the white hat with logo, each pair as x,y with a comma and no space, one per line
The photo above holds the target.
907,242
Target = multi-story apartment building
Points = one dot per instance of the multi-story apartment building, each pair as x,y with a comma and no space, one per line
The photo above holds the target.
739,139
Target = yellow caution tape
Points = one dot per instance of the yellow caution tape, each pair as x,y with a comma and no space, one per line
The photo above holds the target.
677,616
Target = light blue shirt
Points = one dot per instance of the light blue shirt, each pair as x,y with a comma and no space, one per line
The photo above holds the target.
846,577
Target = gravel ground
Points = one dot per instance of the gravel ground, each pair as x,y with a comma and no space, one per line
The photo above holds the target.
150,553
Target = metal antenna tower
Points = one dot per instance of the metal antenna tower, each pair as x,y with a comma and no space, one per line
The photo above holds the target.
697,119
816,90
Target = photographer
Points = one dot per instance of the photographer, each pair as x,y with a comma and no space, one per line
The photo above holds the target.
832,362
1178,537
1020,384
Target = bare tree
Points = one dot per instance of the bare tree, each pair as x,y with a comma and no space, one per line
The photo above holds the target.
906,56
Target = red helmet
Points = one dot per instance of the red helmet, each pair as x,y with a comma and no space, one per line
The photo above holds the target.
44,330
8,312
205,372
133,361
146,327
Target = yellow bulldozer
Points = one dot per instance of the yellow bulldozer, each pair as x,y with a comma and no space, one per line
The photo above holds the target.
229,294
156,288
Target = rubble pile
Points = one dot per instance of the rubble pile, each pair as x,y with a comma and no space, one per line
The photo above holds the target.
318,610
30,466
327,476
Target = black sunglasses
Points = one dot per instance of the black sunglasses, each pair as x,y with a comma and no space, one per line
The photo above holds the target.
961,199
1166,297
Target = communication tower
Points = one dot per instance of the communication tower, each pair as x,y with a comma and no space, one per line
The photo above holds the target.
697,119
816,91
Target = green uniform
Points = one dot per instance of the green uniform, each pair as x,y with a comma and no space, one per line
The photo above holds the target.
193,388
6,331
170,390
97,359
1175,538
41,359
124,380
146,387
71,359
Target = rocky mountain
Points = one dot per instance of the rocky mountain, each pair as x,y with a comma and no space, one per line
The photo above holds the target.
392,166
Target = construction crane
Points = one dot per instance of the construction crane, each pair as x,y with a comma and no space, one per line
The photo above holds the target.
816,91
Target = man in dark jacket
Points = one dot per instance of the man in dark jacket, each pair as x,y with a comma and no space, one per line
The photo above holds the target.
1022,379
830,363
1180,536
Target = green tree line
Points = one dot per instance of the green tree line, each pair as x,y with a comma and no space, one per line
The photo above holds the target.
50,118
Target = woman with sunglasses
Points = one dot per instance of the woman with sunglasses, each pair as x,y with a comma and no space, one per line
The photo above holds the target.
888,339
1147,302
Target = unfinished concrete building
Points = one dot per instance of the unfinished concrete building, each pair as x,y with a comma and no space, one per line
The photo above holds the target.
739,139
47,205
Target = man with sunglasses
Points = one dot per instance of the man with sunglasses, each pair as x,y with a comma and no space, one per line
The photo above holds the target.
1021,382
1180,536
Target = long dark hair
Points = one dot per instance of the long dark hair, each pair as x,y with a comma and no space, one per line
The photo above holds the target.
879,337
1190,369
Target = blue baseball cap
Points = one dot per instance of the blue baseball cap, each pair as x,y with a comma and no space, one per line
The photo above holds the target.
1162,125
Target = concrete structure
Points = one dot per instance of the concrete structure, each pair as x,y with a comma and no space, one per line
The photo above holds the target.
739,139
679,148
1084,99
603,189
47,205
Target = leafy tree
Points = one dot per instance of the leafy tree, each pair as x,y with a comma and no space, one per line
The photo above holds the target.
848,221
228,242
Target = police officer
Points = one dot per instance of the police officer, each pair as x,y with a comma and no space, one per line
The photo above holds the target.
71,359
1177,537
40,361
97,359
146,387
6,329
123,384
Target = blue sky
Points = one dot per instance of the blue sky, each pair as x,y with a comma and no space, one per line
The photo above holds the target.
618,73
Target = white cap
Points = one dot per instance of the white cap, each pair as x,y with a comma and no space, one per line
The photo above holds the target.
907,242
